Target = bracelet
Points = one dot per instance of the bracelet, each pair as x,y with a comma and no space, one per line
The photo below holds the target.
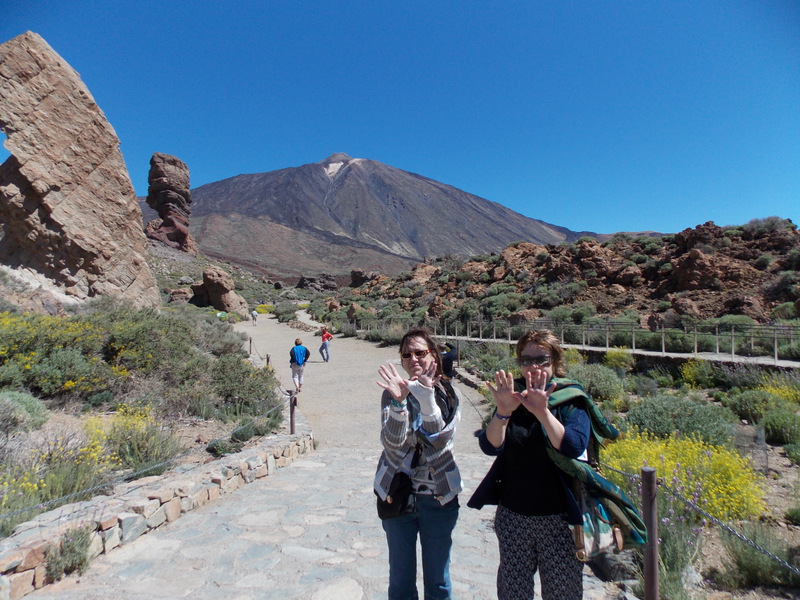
400,405
501,417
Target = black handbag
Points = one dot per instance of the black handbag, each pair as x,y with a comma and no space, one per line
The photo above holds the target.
400,500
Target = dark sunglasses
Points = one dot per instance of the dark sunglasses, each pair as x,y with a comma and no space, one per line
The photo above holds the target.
417,353
540,361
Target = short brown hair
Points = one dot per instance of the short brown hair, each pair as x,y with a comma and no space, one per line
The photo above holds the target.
545,339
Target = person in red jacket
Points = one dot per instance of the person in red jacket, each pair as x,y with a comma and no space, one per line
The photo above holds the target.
324,349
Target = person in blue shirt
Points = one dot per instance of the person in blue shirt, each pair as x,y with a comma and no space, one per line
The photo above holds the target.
298,357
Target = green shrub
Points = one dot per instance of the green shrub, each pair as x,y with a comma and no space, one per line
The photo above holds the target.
257,427
601,383
781,426
739,375
244,389
644,386
751,405
20,411
140,442
69,554
488,358
100,398
792,453
286,311
793,515
573,357
762,262
348,330
665,377
664,415
223,447
751,567
786,311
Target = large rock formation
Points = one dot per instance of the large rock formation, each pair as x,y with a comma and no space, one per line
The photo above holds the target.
69,213
217,291
169,195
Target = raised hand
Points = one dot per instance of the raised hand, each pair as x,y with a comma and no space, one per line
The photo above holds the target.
505,398
537,392
393,382
428,377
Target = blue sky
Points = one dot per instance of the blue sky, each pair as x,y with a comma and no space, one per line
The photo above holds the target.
591,115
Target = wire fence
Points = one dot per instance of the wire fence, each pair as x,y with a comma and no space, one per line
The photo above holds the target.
773,342
691,505
88,492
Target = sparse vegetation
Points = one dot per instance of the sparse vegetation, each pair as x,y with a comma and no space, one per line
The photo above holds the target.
70,555
143,365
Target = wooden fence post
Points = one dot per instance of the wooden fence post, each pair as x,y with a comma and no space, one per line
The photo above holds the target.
650,517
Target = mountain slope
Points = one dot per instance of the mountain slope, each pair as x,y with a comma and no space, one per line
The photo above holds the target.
344,213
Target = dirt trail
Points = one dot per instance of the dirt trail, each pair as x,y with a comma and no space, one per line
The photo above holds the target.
340,398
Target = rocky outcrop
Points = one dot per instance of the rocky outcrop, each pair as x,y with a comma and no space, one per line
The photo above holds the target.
698,274
170,197
324,282
217,291
359,277
69,212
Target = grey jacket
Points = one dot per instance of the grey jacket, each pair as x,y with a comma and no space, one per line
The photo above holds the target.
423,422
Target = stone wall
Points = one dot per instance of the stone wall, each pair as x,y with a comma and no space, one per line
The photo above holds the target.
137,507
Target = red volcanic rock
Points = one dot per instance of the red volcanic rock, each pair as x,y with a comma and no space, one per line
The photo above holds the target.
522,317
694,271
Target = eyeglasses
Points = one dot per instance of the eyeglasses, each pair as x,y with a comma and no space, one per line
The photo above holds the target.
540,361
417,353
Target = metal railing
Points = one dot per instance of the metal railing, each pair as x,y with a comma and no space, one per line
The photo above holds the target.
768,343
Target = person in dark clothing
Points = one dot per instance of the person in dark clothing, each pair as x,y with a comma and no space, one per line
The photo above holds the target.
533,500
448,352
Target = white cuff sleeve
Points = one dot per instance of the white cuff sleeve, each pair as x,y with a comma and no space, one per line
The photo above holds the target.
425,396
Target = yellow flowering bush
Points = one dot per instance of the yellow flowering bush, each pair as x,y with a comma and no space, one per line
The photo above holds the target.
698,373
717,479
137,438
783,385
62,466
619,358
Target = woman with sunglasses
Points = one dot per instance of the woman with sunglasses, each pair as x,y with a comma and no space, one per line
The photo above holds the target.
533,499
419,414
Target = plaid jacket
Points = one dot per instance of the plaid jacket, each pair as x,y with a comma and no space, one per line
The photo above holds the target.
422,422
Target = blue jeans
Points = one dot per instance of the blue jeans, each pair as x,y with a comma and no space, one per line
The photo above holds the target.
324,351
434,523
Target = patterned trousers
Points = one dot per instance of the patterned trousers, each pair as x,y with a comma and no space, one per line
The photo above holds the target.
528,544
